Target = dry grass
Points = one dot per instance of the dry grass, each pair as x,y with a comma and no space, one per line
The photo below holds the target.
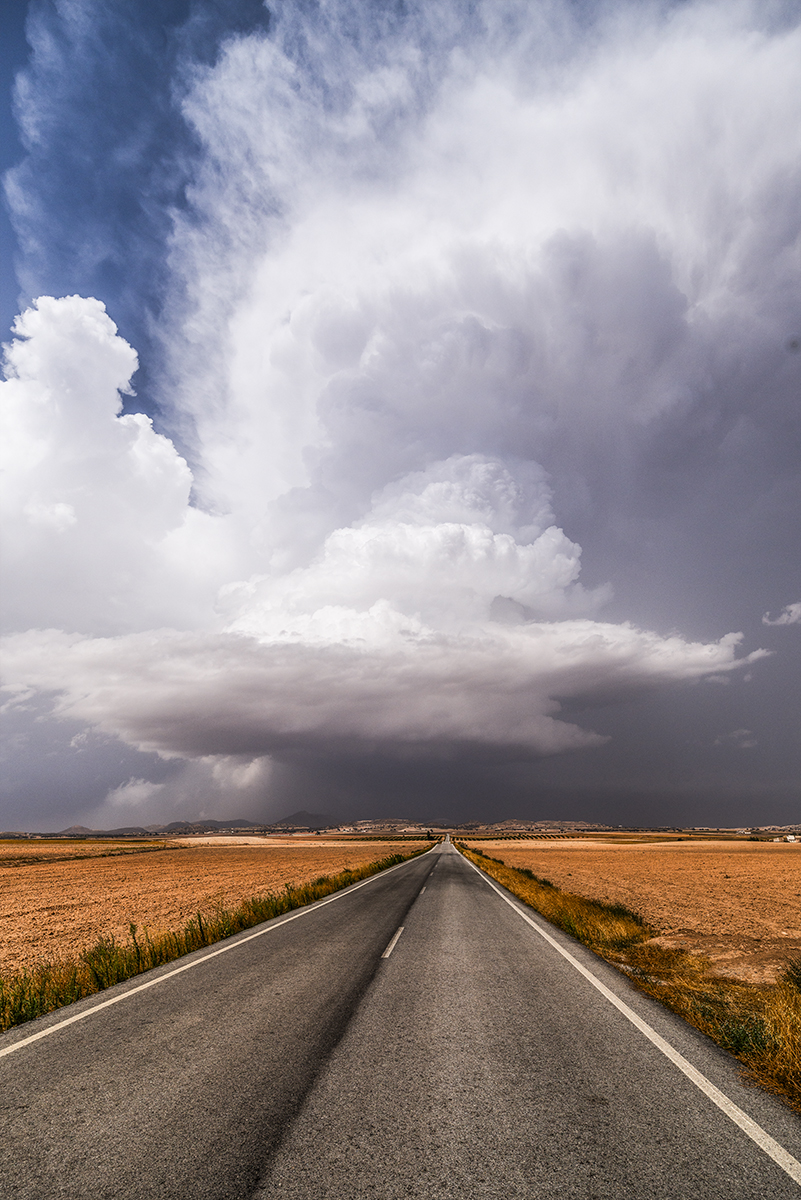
50,985
759,1023
736,902
592,922
58,899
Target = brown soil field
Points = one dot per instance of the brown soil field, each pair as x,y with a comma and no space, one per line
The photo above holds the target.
739,903
21,853
57,898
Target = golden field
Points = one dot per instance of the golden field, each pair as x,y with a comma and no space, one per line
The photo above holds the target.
737,902
57,898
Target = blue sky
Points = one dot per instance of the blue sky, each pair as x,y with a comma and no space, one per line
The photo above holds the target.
108,153
13,56
407,416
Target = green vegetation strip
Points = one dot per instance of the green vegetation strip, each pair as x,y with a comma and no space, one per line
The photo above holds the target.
52,984
759,1023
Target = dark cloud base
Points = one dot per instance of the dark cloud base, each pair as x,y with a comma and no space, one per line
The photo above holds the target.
56,773
357,788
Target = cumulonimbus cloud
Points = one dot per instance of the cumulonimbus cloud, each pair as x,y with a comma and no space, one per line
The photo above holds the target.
416,626
414,319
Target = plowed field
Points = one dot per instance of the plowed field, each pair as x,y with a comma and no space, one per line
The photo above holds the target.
737,902
58,898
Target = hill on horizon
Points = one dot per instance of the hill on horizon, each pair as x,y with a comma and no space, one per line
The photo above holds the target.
307,820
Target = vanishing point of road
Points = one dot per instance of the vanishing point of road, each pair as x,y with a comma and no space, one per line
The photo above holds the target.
477,1053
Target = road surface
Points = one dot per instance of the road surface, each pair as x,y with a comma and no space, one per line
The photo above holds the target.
325,1055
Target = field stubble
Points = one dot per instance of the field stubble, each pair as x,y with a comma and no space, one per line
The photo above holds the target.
736,903
59,898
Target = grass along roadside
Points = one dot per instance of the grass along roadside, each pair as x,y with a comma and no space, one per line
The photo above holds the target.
52,984
759,1023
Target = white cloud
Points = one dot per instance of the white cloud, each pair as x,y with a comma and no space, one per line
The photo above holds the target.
742,739
208,786
134,794
98,534
541,256
56,516
372,686
439,546
790,615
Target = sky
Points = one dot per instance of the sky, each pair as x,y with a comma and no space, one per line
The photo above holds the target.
401,411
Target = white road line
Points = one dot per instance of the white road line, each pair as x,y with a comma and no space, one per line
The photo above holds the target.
143,987
422,889
756,1133
392,944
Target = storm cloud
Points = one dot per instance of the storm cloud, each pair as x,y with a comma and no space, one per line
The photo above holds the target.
472,392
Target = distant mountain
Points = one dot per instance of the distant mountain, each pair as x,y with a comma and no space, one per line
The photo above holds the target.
79,831
126,831
234,823
307,820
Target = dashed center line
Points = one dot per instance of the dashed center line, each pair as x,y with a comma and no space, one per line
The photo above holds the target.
230,944
392,944
422,889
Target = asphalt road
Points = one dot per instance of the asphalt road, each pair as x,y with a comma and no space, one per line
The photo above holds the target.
474,1061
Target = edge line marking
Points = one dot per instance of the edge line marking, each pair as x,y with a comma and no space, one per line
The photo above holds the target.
275,923
392,944
747,1124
